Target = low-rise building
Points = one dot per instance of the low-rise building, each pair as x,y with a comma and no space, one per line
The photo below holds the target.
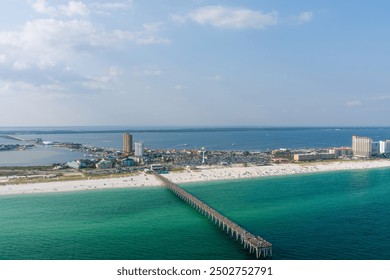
127,162
81,163
76,164
157,167
341,152
314,156
104,164
281,153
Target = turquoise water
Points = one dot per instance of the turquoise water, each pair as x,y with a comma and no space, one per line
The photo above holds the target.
338,215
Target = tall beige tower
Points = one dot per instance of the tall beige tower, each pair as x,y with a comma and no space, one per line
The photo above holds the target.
127,143
361,146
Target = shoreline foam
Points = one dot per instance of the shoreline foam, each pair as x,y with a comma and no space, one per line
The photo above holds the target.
202,174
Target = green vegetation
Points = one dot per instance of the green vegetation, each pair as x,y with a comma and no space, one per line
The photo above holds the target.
177,169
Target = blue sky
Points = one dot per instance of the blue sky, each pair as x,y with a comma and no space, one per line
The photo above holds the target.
194,63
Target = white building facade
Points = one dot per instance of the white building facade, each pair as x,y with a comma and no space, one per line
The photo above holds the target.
139,149
384,147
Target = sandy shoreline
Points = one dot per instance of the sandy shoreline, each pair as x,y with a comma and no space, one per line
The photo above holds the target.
134,181
202,174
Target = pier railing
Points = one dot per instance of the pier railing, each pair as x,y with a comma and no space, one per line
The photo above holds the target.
255,244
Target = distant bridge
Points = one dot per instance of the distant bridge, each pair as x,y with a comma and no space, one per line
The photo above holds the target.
255,244
11,138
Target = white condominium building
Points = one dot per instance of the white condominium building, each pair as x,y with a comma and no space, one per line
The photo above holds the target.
139,149
384,147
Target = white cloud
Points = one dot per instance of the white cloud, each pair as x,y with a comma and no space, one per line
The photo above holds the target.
113,5
233,18
20,65
77,8
103,82
12,88
40,6
147,36
180,87
382,97
115,72
304,17
216,78
150,71
44,43
73,8
354,103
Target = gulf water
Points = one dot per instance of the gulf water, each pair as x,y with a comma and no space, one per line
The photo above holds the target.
335,215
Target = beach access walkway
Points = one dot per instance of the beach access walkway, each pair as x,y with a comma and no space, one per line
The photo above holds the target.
255,244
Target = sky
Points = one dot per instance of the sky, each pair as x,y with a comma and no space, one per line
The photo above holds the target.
194,63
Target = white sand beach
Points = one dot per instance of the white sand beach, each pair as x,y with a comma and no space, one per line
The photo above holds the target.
203,173
139,180
223,173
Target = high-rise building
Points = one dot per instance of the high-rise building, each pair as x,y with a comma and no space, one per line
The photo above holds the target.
384,147
139,149
127,143
375,148
387,147
361,146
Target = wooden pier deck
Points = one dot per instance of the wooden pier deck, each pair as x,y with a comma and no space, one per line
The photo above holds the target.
255,244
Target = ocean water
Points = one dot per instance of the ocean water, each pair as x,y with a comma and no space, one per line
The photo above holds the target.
336,215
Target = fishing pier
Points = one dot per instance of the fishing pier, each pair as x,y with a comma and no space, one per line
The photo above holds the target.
255,244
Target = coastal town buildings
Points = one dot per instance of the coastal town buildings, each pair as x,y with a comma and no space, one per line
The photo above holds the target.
15,147
343,152
127,160
365,147
127,143
361,146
